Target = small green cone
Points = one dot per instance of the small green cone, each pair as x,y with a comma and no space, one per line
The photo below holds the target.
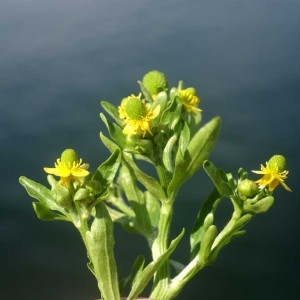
155,82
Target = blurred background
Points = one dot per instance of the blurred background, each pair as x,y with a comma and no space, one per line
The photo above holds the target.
59,59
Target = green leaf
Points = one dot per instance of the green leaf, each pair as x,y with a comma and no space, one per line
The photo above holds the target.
196,153
206,244
146,275
242,174
136,270
172,113
184,138
168,154
115,131
111,110
145,92
106,172
127,222
153,208
45,214
193,121
100,241
260,206
242,221
219,178
207,210
229,235
150,183
136,200
162,100
110,145
39,192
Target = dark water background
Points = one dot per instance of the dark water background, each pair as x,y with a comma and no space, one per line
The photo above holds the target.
58,59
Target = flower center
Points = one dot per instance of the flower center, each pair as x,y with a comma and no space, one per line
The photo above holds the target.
277,161
135,109
69,156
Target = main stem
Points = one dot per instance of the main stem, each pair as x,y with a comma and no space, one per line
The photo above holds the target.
159,246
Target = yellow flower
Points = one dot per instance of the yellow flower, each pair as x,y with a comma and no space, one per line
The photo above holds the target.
273,174
68,168
190,100
137,116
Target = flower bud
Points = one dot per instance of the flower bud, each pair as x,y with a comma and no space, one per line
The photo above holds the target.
248,188
155,82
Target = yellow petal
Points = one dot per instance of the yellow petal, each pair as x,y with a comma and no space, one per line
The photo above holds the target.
63,172
79,172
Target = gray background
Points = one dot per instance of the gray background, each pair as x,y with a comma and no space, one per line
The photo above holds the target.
58,59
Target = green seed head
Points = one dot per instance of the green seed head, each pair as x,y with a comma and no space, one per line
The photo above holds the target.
155,82
248,188
69,156
135,108
277,161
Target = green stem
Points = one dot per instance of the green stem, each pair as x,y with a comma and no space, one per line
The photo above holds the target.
227,230
182,279
159,246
